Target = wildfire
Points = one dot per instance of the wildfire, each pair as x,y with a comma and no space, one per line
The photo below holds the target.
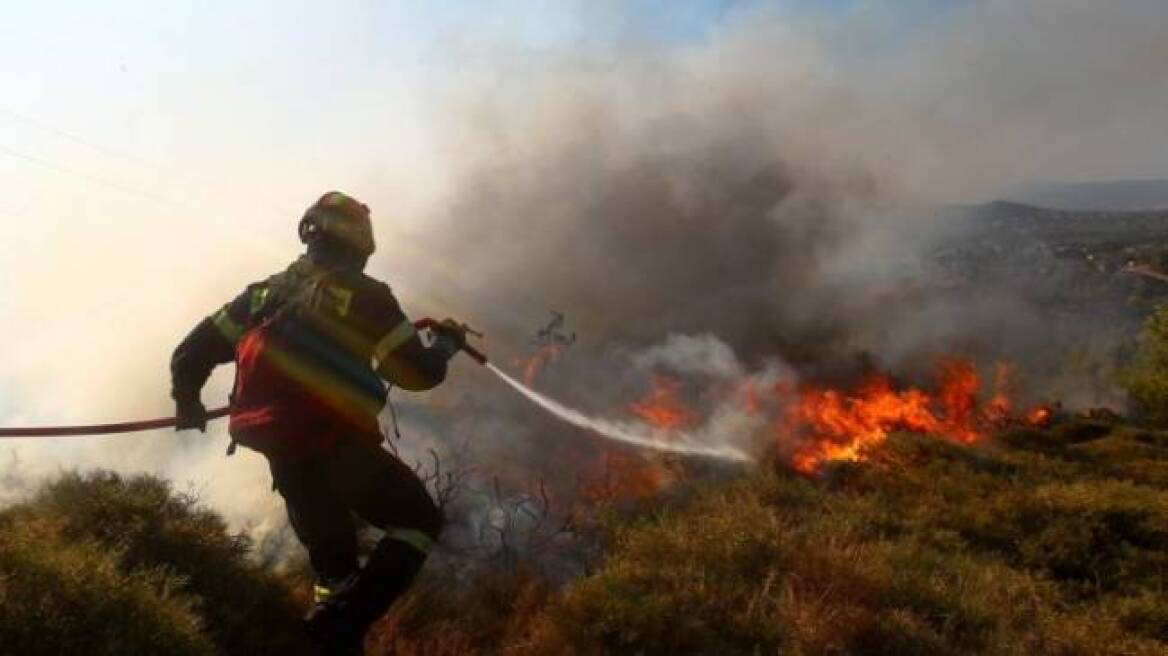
540,359
662,407
625,477
998,412
812,425
817,424
1040,416
834,425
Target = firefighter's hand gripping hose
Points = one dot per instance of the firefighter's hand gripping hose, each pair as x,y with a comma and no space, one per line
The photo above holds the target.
170,422
632,433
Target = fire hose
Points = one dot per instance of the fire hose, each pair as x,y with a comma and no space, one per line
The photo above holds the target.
169,422
620,431
101,429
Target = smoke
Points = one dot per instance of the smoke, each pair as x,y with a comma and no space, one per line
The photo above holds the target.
638,435
755,203
776,191
766,200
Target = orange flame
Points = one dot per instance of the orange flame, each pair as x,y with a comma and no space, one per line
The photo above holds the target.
834,425
751,402
662,407
625,477
816,424
998,411
538,361
1040,416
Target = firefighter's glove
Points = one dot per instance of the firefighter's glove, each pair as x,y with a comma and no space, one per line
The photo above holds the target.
189,412
449,338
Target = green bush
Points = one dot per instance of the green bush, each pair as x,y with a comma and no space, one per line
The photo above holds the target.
60,596
140,535
1146,377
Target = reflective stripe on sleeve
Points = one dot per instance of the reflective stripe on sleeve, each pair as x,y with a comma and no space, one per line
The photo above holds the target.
321,593
227,326
258,297
416,539
388,344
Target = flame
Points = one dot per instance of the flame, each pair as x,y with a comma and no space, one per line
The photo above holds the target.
998,411
1040,416
538,361
622,476
662,407
633,476
836,425
815,424
751,399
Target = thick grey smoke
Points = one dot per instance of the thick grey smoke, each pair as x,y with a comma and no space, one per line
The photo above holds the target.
773,189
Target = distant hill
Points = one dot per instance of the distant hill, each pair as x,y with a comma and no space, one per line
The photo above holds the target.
1013,221
1117,195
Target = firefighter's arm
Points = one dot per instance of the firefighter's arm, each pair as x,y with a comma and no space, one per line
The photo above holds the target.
400,357
210,343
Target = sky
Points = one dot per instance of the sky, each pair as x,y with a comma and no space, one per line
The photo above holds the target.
211,123
155,157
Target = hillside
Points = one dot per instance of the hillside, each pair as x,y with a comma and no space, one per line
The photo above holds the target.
1080,261
1047,541
1112,195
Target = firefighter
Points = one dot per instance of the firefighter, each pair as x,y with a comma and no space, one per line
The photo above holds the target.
312,346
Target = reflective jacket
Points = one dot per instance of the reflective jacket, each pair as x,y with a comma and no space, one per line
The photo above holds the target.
311,347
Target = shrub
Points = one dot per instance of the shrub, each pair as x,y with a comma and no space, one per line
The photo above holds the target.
152,535
1146,377
60,596
927,548
446,616
1050,541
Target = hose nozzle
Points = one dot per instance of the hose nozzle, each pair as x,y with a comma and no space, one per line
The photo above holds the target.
462,329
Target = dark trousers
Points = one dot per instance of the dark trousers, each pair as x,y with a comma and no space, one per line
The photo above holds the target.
322,493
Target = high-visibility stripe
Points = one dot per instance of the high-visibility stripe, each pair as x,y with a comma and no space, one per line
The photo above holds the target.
342,298
227,326
412,537
257,299
388,344
321,593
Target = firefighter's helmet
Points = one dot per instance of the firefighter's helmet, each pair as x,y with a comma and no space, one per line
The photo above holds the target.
341,218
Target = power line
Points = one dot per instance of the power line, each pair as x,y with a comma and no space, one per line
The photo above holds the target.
89,177
152,167
44,127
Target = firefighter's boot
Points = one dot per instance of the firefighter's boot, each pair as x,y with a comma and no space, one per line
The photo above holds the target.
341,621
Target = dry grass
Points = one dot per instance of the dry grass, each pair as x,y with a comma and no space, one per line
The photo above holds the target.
1048,542
1051,542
